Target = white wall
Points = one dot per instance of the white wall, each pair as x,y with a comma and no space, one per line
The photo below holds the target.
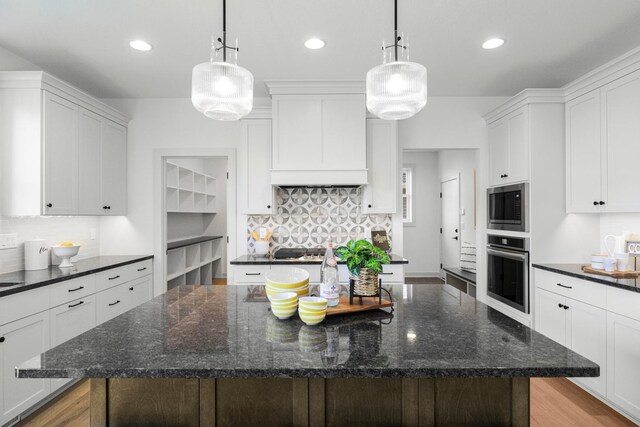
422,238
462,162
55,230
625,224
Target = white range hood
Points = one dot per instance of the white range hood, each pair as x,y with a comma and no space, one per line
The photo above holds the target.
319,133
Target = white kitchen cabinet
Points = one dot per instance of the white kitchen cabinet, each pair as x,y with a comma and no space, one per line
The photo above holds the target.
587,336
249,274
140,291
62,151
60,134
583,170
112,302
68,321
508,139
602,134
89,167
621,143
623,357
113,168
20,341
381,193
257,192
551,319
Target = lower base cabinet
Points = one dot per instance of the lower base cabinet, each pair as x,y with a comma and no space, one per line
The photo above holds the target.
20,341
623,375
68,321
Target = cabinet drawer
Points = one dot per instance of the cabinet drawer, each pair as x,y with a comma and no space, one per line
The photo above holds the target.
623,302
250,273
116,276
392,273
313,270
581,290
111,303
72,289
23,304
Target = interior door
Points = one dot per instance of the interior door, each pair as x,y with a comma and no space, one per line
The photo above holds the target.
60,156
450,236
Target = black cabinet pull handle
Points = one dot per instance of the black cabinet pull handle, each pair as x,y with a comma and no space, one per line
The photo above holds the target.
506,175
385,274
252,274
108,207
601,203
114,303
1,339
131,288
49,205
76,289
369,206
114,277
142,269
595,203
564,286
75,305
559,305
566,307
104,207
268,206
455,238
456,230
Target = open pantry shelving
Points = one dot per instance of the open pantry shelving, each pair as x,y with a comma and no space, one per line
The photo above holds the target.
193,261
188,191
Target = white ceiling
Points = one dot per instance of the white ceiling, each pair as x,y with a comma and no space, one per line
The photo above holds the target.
549,42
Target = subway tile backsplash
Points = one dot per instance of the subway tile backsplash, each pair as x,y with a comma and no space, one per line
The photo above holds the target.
54,229
309,217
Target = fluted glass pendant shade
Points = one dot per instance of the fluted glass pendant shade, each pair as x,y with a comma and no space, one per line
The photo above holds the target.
396,90
222,90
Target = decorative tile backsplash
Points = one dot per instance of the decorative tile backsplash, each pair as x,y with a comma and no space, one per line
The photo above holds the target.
309,217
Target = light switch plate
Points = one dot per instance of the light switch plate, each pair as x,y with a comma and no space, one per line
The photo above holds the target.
8,241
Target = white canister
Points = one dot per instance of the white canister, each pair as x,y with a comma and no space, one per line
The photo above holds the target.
610,264
622,260
262,248
36,254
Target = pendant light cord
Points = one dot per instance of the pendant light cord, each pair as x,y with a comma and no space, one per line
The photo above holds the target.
224,30
395,28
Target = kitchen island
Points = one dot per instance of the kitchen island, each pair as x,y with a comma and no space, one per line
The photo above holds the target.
203,355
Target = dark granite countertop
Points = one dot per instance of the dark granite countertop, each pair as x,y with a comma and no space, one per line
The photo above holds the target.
253,260
36,278
228,331
575,270
192,241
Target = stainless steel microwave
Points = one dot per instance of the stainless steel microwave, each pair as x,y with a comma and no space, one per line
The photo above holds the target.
508,207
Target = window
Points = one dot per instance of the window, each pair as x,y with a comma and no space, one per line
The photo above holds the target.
407,195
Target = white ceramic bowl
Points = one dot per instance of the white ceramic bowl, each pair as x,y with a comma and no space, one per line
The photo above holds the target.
283,313
313,302
65,253
312,320
283,297
287,277
598,258
597,265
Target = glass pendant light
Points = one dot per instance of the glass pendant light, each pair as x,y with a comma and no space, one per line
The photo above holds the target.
397,89
221,89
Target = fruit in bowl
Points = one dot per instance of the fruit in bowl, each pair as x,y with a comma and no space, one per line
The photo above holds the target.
65,251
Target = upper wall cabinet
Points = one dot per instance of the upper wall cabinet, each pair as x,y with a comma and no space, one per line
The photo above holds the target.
63,152
319,134
602,134
508,139
381,193
256,195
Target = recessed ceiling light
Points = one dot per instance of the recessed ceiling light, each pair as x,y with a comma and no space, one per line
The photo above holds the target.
314,44
492,43
140,45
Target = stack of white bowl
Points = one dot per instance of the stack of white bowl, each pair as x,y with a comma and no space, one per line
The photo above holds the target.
312,310
287,279
284,305
597,261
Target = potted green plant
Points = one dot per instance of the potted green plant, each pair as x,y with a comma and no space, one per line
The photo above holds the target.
364,261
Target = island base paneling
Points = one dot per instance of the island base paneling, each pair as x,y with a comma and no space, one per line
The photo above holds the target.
310,401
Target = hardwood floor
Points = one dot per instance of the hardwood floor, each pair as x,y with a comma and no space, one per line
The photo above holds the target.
70,409
559,402
555,402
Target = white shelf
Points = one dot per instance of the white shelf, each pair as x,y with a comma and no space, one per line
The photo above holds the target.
193,264
188,191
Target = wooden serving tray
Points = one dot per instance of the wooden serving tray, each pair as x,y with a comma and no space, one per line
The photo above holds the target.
364,304
615,274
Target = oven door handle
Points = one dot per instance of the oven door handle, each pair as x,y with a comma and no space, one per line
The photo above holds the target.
512,255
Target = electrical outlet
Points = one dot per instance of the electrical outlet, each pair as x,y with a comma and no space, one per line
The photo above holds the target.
92,233
8,241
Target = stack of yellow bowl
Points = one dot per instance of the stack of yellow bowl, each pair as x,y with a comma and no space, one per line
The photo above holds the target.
284,305
287,279
312,310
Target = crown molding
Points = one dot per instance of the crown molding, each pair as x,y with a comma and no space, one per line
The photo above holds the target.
319,87
526,97
45,81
